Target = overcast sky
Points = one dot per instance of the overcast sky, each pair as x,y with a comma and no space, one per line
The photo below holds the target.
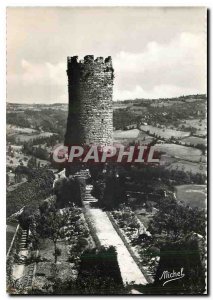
156,52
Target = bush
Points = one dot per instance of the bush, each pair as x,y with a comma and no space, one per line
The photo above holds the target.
68,190
99,272
57,252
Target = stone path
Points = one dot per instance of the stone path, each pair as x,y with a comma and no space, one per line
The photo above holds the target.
107,236
23,274
18,268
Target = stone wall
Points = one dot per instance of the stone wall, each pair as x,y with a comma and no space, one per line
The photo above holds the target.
90,86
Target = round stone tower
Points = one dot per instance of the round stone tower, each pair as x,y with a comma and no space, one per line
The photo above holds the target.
90,86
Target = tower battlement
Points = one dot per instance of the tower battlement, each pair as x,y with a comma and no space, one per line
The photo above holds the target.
90,86
88,59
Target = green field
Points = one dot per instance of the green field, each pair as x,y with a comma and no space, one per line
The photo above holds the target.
193,140
164,132
199,124
25,134
192,195
28,137
181,152
188,166
126,134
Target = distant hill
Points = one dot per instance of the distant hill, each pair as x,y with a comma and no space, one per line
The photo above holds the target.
164,111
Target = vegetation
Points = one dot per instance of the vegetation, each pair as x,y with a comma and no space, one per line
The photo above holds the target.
68,191
123,118
174,220
169,177
46,119
99,272
136,195
166,112
38,152
110,191
51,222
185,254
37,188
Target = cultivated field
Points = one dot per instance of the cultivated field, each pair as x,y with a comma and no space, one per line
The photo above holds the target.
144,138
11,129
165,103
193,140
193,100
199,125
188,166
21,158
126,134
25,134
164,133
178,151
27,137
192,195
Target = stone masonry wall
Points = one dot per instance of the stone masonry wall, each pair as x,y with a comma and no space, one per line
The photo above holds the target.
90,86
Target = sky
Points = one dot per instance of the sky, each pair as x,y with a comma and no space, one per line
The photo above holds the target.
156,52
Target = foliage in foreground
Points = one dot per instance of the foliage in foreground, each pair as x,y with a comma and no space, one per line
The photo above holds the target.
32,192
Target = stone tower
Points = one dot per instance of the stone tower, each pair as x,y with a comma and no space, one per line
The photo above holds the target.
90,86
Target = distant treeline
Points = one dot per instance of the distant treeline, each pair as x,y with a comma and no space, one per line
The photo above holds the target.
197,96
49,120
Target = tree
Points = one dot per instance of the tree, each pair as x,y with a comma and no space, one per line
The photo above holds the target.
37,188
32,162
51,223
176,220
185,254
69,190
25,217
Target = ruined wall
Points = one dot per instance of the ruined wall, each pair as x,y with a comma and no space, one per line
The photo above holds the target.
90,86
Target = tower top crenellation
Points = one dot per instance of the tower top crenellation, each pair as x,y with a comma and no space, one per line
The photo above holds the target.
88,60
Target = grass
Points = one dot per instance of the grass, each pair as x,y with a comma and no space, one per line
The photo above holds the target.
165,103
27,137
25,134
192,195
179,151
11,129
194,140
164,133
199,125
125,134
186,166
